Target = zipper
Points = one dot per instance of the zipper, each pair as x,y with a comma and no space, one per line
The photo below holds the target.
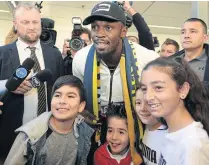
111,81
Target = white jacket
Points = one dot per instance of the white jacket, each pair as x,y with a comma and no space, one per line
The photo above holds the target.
143,55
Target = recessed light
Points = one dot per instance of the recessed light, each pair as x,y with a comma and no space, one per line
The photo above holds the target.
4,11
165,27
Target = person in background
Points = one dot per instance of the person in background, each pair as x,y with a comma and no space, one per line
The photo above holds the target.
144,34
195,49
1,105
133,39
154,131
169,47
57,137
85,35
11,36
68,53
175,93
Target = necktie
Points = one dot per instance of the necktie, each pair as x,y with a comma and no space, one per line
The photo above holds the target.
41,88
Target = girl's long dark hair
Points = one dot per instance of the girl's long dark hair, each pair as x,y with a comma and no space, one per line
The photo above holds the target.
197,100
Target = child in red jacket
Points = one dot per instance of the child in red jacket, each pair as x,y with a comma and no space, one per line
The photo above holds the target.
116,150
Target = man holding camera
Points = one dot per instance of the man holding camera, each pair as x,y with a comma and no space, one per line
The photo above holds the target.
144,34
23,104
110,67
80,38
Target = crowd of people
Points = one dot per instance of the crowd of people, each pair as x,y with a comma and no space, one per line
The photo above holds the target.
113,102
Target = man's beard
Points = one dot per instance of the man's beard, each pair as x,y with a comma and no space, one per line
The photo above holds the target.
30,40
103,55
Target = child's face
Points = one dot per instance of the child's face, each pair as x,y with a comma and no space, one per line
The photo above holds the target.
142,110
65,104
162,93
117,135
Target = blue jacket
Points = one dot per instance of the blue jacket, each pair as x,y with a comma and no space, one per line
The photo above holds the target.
32,137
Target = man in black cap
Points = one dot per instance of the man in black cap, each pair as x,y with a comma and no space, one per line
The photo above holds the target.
110,67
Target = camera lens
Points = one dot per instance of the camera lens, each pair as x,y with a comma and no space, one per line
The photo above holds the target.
76,43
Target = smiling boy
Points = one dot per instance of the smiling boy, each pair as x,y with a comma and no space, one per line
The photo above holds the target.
116,149
57,137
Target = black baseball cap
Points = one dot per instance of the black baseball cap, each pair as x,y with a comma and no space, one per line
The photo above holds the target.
106,11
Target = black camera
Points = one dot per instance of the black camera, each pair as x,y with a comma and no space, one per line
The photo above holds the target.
48,35
76,43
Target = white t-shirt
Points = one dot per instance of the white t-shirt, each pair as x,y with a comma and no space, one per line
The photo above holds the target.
152,144
188,146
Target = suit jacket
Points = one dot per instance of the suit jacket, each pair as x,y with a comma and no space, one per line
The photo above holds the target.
206,74
13,107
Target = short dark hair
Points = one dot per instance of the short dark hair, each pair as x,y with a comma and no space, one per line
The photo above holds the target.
134,37
71,81
200,21
169,41
116,111
76,33
86,31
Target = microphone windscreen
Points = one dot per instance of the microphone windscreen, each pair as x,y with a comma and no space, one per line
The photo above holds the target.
20,74
11,85
28,63
44,75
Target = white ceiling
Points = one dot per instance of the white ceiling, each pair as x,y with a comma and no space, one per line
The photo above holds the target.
170,13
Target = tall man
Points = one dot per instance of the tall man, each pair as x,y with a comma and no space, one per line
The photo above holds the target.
196,51
110,67
25,103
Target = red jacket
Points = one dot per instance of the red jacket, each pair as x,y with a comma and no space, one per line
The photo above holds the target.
102,157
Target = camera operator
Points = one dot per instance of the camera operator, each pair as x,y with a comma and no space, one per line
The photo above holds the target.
144,34
68,51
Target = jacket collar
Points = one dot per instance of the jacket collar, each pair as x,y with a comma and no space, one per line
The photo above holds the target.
36,128
13,54
205,46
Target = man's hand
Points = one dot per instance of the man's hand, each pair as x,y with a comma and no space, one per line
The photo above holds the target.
65,47
126,5
24,87
1,105
128,8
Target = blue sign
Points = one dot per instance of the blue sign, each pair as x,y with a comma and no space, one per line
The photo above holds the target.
21,72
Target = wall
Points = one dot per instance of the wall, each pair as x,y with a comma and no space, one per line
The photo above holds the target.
64,32
161,38
5,27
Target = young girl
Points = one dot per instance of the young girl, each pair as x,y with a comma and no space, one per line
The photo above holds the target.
116,150
154,131
174,92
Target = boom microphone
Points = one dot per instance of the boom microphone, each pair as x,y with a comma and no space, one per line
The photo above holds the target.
40,77
18,76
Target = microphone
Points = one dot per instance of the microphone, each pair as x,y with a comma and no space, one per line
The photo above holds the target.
18,76
40,77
